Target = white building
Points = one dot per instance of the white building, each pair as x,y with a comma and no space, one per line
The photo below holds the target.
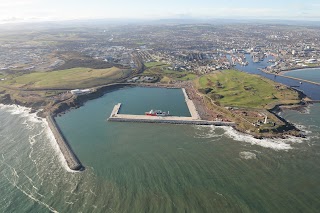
80,91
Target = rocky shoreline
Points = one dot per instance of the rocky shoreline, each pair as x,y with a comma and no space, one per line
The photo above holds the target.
288,129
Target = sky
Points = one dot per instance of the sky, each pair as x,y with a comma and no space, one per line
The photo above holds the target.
43,10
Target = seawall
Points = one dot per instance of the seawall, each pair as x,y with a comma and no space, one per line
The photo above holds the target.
70,157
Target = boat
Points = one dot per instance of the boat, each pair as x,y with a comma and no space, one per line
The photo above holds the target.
157,113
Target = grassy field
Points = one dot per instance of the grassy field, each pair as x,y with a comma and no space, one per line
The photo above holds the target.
154,64
312,65
69,78
239,89
167,75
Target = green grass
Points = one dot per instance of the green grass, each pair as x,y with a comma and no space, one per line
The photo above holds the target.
161,69
203,81
154,64
187,77
240,89
165,80
312,65
69,78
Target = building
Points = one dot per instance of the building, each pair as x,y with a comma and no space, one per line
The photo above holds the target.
80,91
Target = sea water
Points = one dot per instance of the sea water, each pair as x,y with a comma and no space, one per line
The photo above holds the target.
136,167
310,74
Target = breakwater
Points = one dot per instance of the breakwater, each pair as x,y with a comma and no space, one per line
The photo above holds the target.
298,79
115,116
70,157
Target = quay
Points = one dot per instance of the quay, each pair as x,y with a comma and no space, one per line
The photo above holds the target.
68,154
192,108
115,116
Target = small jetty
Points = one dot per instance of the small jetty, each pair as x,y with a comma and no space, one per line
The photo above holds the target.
194,120
70,157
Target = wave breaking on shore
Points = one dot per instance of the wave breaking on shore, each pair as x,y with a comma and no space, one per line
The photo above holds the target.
277,144
25,112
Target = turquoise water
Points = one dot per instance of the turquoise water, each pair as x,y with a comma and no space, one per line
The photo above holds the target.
155,167
305,74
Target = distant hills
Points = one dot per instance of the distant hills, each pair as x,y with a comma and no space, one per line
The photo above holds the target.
103,22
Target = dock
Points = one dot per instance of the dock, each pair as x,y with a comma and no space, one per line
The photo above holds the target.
192,108
194,120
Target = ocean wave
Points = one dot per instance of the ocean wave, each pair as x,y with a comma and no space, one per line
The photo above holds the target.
314,127
31,120
306,130
247,155
306,110
230,132
56,147
16,109
22,111
206,132
276,144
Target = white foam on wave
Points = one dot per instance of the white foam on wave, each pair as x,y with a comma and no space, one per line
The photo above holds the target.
32,197
247,155
303,128
307,110
56,147
23,112
276,144
14,181
31,119
206,132
16,109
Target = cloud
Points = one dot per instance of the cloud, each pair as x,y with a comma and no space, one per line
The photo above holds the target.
16,3
15,10
246,12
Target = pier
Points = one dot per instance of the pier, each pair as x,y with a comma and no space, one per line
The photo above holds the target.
192,108
194,120
68,154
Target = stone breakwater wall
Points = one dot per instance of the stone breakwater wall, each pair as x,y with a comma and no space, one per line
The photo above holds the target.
70,157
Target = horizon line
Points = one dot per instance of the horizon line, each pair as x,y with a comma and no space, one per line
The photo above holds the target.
132,20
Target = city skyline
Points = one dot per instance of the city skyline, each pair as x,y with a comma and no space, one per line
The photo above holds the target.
43,10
